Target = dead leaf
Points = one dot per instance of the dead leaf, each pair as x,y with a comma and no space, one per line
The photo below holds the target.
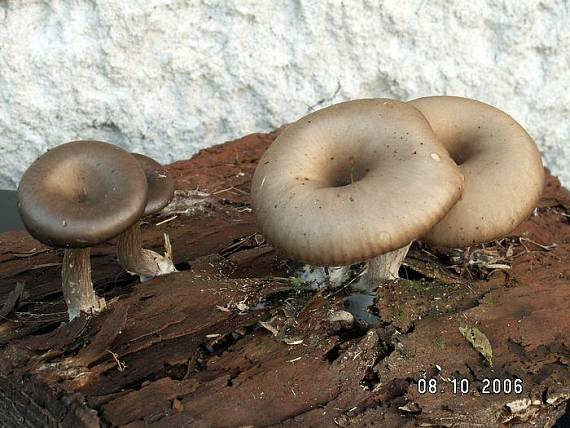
411,407
269,327
177,405
479,341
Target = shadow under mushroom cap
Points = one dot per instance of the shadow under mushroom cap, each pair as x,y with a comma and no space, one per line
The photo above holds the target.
81,193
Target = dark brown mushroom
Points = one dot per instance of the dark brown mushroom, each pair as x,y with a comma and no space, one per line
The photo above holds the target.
78,195
132,256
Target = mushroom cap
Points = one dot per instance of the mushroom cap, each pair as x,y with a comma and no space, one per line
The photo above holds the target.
81,193
160,184
352,181
503,171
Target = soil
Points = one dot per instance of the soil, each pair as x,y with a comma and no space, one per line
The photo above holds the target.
232,340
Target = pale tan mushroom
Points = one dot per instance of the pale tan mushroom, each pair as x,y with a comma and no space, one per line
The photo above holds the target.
504,175
354,181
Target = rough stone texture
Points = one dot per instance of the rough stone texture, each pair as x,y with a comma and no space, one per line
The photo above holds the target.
170,77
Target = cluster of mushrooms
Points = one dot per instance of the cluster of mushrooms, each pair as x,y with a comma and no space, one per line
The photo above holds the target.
83,193
360,180
356,181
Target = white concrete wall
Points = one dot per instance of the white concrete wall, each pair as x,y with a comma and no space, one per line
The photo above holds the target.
167,78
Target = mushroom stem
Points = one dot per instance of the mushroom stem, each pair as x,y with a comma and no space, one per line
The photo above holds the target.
77,286
336,275
140,261
385,266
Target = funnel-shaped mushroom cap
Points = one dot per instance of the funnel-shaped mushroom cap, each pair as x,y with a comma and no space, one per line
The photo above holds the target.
81,193
352,181
160,184
504,176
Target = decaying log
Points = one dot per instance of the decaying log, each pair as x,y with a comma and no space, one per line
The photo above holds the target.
231,340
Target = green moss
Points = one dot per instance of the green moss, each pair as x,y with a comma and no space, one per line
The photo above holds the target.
439,343
491,299
295,283
428,288
397,315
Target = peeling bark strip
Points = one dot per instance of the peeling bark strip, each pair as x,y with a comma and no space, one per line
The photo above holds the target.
11,303
58,339
188,349
112,327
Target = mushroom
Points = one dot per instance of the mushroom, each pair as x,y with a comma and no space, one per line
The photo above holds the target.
78,195
504,175
358,180
132,257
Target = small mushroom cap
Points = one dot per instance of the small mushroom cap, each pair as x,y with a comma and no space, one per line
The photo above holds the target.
352,181
160,184
81,193
503,171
